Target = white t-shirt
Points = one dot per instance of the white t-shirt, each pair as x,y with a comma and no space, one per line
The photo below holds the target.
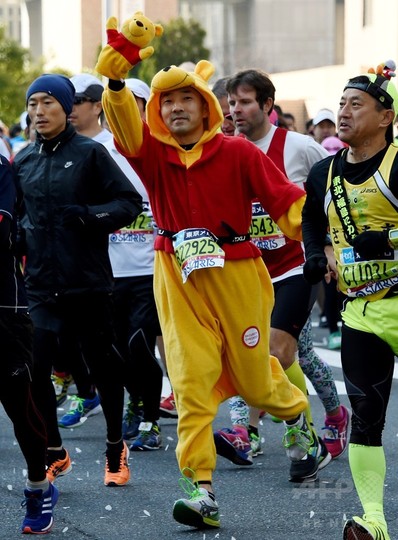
300,153
131,248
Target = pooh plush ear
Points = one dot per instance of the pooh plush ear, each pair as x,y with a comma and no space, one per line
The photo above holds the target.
204,69
127,47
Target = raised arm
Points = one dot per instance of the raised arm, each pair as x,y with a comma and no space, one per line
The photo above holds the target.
124,50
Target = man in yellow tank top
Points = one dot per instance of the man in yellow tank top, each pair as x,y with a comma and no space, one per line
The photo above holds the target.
350,231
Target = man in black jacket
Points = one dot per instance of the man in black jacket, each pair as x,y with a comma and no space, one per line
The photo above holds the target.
72,196
16,338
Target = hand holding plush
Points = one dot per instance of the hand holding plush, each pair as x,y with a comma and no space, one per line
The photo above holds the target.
127,47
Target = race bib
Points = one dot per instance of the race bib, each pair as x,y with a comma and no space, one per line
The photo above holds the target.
196,249
264,232
139,231
358,277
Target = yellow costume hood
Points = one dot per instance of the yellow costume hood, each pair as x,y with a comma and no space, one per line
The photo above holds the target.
173,78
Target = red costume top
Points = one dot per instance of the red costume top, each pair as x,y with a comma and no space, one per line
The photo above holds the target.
217,188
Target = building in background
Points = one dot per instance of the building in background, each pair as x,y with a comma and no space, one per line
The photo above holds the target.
10,18
67,34
308,47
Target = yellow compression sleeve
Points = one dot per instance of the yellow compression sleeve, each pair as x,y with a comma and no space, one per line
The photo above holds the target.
124,120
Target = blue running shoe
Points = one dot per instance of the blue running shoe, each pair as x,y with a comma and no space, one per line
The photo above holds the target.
80,409
149,437
39,510
131,420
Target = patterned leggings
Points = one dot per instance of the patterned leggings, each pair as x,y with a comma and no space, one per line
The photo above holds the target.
316,370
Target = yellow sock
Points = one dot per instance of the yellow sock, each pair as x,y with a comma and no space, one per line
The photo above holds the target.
296,376
368,469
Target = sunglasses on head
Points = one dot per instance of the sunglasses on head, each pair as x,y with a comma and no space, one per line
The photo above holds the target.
80,100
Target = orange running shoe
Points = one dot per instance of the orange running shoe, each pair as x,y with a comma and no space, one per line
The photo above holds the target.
121,475
58,466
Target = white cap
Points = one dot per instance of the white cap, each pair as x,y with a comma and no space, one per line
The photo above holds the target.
139,88
324,114
86,85
22,120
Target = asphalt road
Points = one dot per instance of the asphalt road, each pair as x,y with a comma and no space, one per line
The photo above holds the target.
256,503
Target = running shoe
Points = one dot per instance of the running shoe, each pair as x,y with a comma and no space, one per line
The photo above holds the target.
131,420
255,443
149,437
297,439
362,529
39,510
234,445
57,466
199,510
167,407
80,409
335,434
117,472
306,470
334,342
61,386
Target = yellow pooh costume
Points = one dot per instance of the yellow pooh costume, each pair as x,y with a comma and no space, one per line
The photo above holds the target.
216,322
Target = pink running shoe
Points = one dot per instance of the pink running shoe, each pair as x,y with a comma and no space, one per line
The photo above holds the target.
167,407
336,434
234,445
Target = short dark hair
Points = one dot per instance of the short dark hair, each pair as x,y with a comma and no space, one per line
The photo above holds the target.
289,115
309,123
256,79
219,88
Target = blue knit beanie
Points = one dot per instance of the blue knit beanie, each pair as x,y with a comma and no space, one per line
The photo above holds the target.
58,86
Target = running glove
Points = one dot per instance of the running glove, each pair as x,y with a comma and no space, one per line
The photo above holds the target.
371,244
315,267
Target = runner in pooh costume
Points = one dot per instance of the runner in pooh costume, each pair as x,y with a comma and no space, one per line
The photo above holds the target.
213,291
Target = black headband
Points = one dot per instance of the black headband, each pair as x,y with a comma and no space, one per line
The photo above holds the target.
375,90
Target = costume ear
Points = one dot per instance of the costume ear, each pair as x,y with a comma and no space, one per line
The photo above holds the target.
204,69
158,30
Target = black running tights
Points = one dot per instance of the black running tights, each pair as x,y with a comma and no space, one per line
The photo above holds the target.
368,366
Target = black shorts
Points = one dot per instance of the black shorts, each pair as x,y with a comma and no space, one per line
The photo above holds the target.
16,342
294,298
135,306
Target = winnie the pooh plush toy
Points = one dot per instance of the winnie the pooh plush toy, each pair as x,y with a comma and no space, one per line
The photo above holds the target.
127,47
